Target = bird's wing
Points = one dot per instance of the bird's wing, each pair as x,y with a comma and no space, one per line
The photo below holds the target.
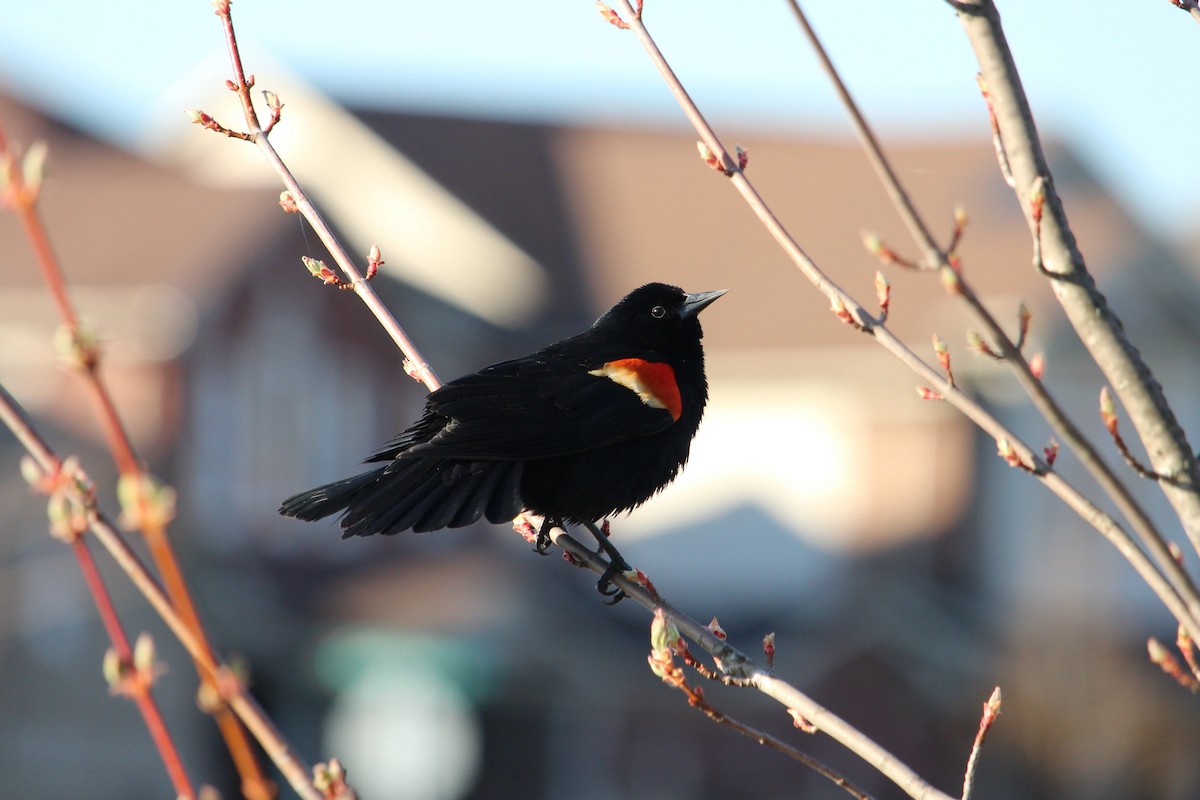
534,408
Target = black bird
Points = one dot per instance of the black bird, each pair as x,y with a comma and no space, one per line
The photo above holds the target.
584,428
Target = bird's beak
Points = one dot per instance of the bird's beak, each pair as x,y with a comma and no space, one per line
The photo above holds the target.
698,301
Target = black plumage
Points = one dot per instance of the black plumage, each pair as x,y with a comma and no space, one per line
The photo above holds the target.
582,429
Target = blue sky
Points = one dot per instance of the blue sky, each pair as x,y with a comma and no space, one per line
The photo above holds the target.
1114,77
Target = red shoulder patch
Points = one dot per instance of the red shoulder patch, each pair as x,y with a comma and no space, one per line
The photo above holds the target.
653,381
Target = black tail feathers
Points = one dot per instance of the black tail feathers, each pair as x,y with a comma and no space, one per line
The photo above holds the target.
421,494
329,499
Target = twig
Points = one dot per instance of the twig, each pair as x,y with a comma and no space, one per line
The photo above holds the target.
745,671
1187,647
226,684
1190,6
138,690
1108,415
991,710
1009,351
1086,308
666,643
21,195
142,498
416,364
1169,664
1022,453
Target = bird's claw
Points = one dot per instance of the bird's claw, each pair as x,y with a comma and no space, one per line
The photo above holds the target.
541,544
606,587
616,565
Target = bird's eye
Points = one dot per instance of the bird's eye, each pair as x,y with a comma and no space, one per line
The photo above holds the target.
658,312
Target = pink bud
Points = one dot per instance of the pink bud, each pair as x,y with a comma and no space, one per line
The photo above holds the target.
611,16
709,157
950,280
838,306
1005,450
743,156
960,218
976,343
883,293
663,633
374,260
872,242
1108,411
925,393
1037,199
943,356
801,722
1037,365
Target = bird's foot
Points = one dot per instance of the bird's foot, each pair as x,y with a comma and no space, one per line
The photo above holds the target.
541,545
616,564
605,548
606,587
600,534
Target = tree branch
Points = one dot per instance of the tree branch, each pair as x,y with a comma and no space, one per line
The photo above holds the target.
746,671
937,258
136,688
1190,6
145,503
1094,321
1015,451
223,679
415,363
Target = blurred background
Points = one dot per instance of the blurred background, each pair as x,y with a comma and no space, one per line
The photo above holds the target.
522,167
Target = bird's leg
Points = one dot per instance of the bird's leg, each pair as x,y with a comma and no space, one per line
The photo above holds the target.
606,546
616,564
541,544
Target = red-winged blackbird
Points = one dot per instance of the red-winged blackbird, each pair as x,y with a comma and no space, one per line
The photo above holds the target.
582,429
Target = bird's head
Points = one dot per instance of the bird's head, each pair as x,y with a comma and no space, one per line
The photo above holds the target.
657,316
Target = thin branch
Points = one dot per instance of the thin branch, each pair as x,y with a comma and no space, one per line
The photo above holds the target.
21,195
415,363
138,690
874,152
1020,453
991,710
1008,351
1169,664
1187,647
747,672
663,664
142,498
226,684
1108,415
1096,324
1190,6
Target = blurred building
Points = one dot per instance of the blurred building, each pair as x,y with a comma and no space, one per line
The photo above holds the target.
905,569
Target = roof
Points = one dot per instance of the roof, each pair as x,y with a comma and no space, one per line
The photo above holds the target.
605,210
649,208
117,219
